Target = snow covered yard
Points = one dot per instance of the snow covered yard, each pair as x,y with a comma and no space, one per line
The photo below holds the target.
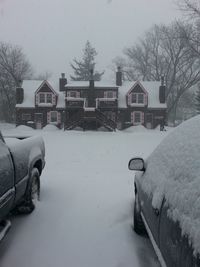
84,217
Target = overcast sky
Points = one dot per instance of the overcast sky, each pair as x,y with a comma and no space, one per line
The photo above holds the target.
53,32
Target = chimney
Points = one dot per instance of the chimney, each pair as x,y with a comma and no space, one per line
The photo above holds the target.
62,82
91,79
19,95
119,76
162,90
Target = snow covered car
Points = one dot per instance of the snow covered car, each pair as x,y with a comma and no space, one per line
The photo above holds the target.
167,196
21,164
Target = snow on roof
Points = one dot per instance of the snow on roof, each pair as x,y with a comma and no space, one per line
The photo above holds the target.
152,89
31,86
85,84
173,172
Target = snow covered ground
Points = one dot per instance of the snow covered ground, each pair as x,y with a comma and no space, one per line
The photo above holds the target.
84,217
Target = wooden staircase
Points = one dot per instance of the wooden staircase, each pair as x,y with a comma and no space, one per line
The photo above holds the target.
84,116
105,121
74,121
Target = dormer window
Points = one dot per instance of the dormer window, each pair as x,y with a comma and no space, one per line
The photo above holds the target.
41,98
45,98
49,98
138,98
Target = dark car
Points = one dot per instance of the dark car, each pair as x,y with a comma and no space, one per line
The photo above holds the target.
167,196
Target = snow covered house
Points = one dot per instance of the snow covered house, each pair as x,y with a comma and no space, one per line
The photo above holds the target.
39,103
90,105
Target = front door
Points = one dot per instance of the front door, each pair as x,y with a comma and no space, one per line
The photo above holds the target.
38,120
149,121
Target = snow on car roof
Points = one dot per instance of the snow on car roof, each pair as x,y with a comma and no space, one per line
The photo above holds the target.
173,172
31,86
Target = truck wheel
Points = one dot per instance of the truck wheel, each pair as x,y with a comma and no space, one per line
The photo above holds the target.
138,226
32,194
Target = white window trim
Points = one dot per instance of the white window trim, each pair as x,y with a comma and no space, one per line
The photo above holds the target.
45,99
137,97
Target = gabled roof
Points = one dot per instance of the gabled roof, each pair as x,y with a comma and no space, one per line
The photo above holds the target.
30,88
48,84
152,88
140,85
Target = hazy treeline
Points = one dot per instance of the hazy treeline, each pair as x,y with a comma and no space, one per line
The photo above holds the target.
170,50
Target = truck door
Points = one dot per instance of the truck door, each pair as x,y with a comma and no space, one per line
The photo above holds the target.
7,191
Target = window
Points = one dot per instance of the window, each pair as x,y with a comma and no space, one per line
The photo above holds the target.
26,117
137,98
49,98
140,98
41,98
45,98
53,116
73,94
109,94
134,98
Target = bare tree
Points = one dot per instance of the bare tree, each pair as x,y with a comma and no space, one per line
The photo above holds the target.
190,7
14,67
165,51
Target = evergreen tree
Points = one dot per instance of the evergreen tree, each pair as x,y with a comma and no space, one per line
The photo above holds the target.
82,68
197,100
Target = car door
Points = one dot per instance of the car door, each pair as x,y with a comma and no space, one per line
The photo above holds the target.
174,246
7,191
150,215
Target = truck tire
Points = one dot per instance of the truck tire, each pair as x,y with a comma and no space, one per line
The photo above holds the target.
32,194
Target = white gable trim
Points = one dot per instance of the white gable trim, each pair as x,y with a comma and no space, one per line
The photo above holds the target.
132,88
48,84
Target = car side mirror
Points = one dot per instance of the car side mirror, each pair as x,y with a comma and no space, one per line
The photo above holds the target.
136,164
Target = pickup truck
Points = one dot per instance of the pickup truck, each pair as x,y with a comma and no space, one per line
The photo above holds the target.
21,163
